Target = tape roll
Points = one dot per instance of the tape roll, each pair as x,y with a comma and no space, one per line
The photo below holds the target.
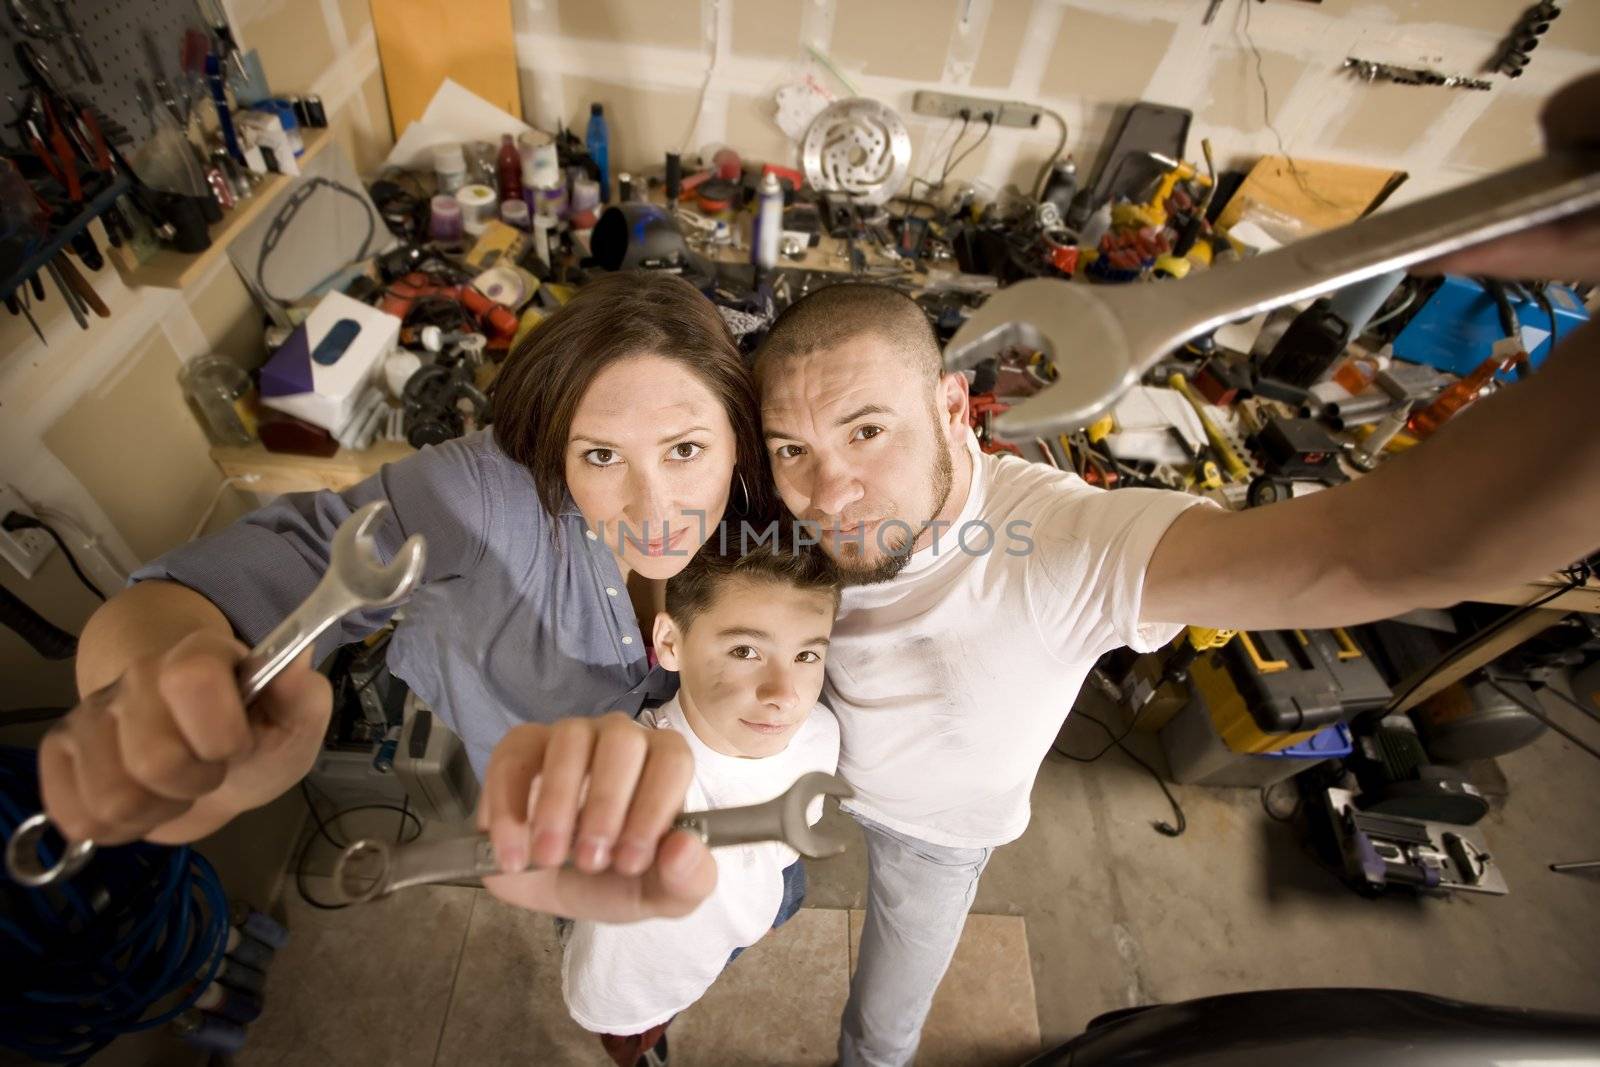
479,205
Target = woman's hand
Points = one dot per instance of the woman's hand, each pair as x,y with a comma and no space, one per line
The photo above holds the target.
168,751
1568,249
601,792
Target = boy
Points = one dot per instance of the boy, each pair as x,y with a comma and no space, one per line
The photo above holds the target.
747,635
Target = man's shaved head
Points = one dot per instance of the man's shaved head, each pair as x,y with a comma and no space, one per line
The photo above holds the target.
862,424
847,310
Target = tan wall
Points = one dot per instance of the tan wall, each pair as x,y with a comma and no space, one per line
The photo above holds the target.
93,424
648,62
326,47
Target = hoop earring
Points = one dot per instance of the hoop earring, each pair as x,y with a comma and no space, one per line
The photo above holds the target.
744,491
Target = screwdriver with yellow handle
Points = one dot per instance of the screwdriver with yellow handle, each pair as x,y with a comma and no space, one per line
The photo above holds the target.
1236,468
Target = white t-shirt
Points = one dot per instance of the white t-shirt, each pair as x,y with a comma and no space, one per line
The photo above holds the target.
951,681
626,978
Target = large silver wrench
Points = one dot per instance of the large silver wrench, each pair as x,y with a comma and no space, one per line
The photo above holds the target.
355,580
1105,337
374,868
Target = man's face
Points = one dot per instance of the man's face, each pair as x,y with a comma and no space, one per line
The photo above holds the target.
861,445
750,664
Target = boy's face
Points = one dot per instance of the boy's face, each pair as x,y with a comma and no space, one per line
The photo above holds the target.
750,665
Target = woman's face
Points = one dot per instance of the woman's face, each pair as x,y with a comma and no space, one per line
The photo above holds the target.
649,460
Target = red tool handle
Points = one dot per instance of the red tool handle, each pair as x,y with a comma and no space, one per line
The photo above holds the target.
63,151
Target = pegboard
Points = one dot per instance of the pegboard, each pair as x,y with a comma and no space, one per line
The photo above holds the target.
114,31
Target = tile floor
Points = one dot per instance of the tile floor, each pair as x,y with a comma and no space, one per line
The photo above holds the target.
448,975
1089,911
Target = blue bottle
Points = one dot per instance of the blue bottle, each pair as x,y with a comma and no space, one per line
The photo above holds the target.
596,142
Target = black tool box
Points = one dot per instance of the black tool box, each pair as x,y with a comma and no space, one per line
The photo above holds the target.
1289,684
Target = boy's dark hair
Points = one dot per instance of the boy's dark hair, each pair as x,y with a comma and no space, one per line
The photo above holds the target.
727,556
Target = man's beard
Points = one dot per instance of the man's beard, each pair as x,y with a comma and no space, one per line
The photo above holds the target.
855,571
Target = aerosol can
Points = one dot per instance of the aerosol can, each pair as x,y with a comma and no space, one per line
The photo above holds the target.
769,224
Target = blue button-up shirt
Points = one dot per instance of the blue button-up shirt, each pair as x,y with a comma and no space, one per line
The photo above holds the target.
520,616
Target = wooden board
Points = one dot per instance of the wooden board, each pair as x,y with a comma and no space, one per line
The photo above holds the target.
281,472
1320,195
423,42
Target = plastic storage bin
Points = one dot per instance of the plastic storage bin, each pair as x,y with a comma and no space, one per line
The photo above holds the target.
1272,689
1197,755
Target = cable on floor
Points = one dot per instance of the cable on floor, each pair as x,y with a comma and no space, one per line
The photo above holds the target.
1277,814
1109,745
127,945
323,831
1537,683
1161,827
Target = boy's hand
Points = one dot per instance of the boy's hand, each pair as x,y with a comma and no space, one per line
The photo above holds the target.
1568,249
601,792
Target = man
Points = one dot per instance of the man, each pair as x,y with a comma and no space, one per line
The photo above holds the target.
956,657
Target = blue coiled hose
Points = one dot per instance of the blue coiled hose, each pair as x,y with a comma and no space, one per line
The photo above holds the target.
126,945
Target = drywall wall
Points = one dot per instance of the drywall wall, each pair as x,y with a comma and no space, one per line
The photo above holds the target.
676,76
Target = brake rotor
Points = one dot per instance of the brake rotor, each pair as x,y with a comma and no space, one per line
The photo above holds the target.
859,148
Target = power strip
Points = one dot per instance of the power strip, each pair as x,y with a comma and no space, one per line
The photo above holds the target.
26,550
976,109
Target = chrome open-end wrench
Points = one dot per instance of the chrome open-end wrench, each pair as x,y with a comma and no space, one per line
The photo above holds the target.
374,868
1104,338
355,580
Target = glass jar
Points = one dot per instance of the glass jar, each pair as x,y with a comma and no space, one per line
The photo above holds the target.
221,396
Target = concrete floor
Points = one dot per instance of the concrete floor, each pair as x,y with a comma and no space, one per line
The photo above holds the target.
1119,915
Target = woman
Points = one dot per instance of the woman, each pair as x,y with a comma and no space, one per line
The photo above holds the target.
625,425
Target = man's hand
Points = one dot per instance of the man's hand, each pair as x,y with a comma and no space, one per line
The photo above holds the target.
601,792
1568,249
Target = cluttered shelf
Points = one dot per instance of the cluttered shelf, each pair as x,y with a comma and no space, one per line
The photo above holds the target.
171,269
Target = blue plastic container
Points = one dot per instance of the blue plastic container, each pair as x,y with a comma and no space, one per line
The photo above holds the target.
1331,742
1458,326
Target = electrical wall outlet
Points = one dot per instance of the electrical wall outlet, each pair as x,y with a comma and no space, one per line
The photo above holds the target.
25,550
951,105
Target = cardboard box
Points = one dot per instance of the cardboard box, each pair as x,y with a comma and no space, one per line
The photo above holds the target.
325,393
1293,199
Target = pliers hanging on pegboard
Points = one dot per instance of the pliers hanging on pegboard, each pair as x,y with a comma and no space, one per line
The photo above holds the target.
43,134
83,129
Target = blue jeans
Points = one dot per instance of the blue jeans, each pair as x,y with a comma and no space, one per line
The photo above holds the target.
794,894
918,895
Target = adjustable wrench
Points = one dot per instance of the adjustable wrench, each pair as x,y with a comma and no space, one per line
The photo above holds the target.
1105,337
